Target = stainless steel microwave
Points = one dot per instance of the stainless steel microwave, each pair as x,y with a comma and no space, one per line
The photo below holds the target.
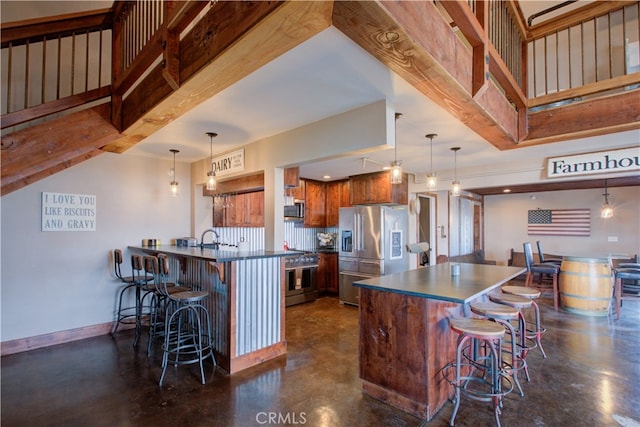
294,212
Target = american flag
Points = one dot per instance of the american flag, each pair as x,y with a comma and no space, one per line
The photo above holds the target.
559,222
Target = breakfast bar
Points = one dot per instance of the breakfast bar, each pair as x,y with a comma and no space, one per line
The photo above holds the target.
405,339
245,303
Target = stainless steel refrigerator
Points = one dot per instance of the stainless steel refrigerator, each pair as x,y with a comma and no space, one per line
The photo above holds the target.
371,243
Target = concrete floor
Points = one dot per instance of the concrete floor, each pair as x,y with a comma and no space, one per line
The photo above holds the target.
591,378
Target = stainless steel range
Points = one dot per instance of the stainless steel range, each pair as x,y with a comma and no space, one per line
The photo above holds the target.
301,272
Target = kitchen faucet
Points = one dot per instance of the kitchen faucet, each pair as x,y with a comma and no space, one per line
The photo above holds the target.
216,242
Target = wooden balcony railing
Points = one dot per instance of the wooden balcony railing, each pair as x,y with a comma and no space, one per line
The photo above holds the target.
589,51
53,65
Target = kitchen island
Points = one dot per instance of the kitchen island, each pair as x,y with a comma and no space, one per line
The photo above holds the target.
245,303
405,339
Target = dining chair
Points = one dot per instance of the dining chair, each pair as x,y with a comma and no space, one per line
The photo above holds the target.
546,260
553,270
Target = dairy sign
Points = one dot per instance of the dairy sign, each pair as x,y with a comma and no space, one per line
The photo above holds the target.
229,163
68,212
624,160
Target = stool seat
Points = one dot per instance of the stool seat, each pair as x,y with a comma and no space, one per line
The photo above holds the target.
495,310
521,291
514,301
477,327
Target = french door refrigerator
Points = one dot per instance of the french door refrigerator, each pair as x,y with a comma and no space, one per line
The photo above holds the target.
371,244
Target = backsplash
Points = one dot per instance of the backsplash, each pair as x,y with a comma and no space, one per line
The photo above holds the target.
297,236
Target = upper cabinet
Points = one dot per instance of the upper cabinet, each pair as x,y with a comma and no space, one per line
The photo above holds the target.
292,177
337,197
314,203
239,210
373,188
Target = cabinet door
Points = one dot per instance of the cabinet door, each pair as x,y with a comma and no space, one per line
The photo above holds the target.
255,212
314,214
218,212
333,203
298,192
331,269
359,190
345,194
322,273
379,188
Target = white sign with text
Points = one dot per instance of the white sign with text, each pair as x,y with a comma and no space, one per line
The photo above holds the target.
229,163
68,212
623,160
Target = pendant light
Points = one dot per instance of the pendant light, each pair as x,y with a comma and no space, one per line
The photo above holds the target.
455,189
174,183
396,169
607,210
211,175
432,180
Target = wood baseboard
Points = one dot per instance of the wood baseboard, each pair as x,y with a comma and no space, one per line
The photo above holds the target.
54,338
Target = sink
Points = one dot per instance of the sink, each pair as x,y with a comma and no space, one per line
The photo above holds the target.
214,246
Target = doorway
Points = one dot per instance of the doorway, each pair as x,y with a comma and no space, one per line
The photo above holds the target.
426,227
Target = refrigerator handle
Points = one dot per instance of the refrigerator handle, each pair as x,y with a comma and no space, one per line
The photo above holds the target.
360,233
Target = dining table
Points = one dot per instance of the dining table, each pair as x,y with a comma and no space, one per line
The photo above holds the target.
404,335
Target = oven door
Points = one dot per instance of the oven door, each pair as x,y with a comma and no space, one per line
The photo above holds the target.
300,285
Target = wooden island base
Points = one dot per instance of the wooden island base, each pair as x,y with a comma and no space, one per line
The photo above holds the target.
404,343
405,337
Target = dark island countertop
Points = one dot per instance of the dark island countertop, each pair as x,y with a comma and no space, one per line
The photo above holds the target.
436,282
219,255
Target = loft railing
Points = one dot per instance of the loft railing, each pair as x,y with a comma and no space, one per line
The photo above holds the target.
584,53
50,66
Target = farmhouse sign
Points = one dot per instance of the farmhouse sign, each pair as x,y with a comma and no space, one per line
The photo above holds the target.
229,163
68,212
624,160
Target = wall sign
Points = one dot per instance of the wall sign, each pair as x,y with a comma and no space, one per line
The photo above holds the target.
68,212
624,160
559,222
229,163
396,244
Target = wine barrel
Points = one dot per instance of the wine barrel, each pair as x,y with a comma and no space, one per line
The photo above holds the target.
586,285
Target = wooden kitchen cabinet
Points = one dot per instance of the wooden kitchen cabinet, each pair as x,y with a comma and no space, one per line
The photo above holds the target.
298,192
239,210
328,272
371,188
337,196
314,203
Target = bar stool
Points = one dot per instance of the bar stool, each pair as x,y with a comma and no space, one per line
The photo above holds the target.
503,315
623,273
126,315
158,299
532,294
485,379
525,343
187,329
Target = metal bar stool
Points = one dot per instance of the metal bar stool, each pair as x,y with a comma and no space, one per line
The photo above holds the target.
503,315
484,381
126,315
187,328
532,294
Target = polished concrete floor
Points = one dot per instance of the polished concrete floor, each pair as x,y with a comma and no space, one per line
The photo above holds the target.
591,378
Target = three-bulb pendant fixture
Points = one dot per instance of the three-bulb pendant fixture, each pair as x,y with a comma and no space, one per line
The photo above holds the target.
396,169
174,183
607,210
432,180
211,175
455,188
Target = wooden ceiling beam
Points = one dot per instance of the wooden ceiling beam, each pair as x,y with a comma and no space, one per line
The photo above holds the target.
413,40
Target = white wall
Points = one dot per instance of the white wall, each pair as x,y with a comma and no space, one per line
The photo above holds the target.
55,281
506,222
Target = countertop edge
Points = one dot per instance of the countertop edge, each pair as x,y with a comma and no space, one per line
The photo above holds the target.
211,254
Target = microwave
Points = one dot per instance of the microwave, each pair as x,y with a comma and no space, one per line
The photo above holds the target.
294,212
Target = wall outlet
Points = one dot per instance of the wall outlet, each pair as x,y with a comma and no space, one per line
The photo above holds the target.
612,238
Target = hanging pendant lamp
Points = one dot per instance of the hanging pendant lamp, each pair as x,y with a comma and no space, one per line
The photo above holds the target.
174,183
607,210
432,180
211,175
455,188
396,169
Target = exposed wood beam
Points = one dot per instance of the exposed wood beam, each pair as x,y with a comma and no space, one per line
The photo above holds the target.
613,113
288,25
435,61
39,151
